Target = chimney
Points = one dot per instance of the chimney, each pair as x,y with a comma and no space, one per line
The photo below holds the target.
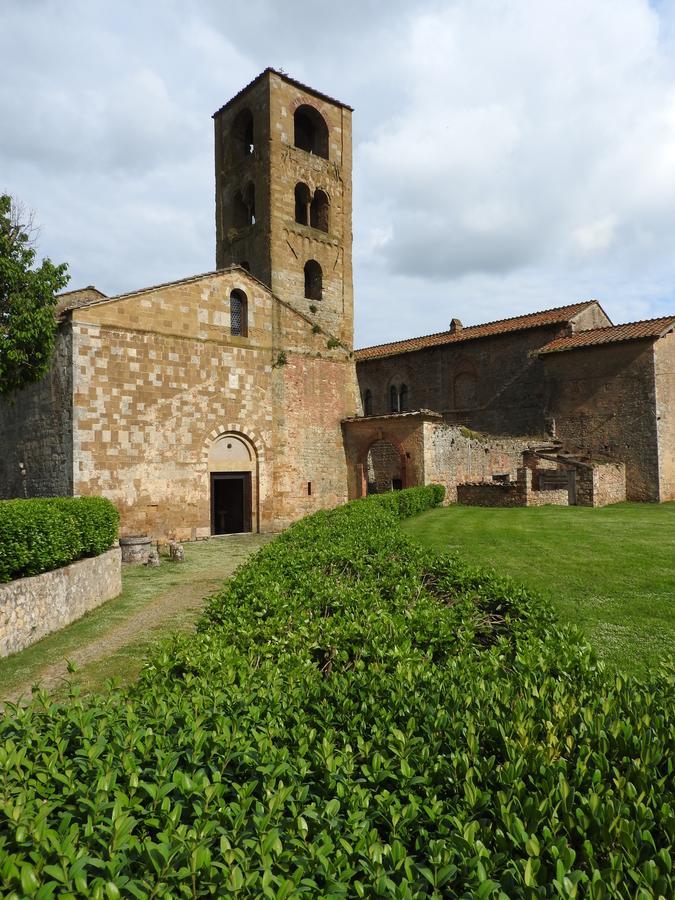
455,325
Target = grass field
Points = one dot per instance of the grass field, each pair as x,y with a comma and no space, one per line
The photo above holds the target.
610,571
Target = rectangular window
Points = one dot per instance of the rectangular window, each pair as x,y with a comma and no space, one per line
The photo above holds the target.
309,488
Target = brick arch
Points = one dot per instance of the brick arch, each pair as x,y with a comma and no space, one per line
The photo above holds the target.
250,436
362,461
257,446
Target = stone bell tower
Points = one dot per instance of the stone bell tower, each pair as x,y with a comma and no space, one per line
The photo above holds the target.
284,196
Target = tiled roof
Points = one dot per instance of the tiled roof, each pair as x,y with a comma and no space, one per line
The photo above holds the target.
289,80
630,331
560,315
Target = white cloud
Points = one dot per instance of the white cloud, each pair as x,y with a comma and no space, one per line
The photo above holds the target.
509,154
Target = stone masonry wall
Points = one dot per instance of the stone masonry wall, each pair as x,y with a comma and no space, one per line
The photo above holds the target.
603,402
36,430
510,381
601,485
517,493
455,455
664,360
31,608
158,374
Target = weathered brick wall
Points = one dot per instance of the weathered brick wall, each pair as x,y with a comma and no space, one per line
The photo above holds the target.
664,360
510,391
603,402
158,375
36,430
454,455
384,466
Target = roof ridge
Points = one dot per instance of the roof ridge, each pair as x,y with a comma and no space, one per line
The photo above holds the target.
270,70
632,322
466,328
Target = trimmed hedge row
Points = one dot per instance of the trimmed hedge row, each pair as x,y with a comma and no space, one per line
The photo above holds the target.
39,535
356,717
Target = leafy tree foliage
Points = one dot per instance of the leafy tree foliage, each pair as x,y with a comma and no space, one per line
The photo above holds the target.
27,301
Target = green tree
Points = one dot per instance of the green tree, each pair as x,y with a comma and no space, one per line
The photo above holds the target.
27,301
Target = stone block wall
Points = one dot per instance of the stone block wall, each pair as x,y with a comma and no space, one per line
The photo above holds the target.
516,493
664,361
603,402
31,608
601,485
36,430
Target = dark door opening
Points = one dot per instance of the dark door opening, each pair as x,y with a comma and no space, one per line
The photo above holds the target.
230,502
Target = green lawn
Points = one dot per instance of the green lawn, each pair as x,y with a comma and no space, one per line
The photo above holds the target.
610,571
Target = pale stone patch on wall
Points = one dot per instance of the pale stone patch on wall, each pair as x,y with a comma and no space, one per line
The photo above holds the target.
31,608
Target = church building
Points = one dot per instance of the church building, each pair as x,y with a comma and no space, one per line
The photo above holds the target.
233,401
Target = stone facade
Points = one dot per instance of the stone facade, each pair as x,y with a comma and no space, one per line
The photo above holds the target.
183,401
31,608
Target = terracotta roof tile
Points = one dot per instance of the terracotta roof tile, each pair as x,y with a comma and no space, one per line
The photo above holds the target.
630,331
560,315
287,78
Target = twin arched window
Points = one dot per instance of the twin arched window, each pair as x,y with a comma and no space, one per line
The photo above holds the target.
310,131
313,211
398,398
238,314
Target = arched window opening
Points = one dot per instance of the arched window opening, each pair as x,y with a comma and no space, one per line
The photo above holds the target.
242,134
367,402
301,203
313,280
319,211
311,131
466,391
238,314
403,398
393,399
243,207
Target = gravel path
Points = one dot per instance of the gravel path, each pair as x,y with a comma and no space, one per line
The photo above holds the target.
174,607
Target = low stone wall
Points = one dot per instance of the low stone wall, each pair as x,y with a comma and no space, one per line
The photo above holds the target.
514,493
601,485
489,494
31,608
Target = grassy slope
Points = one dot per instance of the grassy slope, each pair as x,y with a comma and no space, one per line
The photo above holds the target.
611,571
176,589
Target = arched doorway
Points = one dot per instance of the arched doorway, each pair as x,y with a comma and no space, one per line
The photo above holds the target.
233,484
384,468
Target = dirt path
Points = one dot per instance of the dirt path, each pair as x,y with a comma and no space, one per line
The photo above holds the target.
112,641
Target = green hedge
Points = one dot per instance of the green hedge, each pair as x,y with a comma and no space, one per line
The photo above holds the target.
39,535
356,717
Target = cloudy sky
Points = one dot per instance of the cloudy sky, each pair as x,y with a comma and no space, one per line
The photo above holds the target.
509,155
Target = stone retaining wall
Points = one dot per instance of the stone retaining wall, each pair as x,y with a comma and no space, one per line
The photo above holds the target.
31,608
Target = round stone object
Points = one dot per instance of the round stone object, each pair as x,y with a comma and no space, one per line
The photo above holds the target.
136,549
